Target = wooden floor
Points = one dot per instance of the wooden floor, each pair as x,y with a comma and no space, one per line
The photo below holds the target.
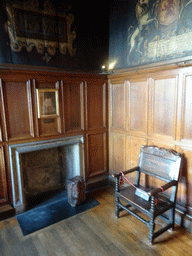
94,232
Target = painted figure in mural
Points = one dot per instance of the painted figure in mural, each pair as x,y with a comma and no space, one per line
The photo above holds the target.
167,14
143,18
170,14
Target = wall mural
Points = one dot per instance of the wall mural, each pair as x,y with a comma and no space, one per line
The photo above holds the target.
163,30
30,26
157,30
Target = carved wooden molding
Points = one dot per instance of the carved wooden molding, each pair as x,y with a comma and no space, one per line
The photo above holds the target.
160,151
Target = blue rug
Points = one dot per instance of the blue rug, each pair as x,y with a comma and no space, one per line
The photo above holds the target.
51,212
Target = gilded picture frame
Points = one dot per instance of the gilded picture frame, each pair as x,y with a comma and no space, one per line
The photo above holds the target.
47,103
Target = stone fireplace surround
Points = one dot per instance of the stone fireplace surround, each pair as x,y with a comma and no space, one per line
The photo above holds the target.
74,163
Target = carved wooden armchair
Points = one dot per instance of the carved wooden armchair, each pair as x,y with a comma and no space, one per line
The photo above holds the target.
157,164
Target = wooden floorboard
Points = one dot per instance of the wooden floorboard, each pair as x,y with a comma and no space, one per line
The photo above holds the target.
95,232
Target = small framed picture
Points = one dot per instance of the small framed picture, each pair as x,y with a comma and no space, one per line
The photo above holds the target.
47,103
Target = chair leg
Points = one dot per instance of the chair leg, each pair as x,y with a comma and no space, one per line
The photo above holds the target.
117,207
151,230
117,198
172,217
152,221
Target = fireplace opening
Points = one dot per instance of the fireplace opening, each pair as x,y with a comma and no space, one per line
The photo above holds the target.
40,170
44,174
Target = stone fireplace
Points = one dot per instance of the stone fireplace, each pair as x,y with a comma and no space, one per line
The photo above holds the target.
44,166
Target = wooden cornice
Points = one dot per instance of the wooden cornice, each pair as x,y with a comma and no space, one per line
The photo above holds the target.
176,66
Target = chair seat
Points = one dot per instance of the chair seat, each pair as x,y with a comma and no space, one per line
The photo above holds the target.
128,195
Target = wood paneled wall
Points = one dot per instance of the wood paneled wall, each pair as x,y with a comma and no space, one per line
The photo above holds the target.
83,111
152,107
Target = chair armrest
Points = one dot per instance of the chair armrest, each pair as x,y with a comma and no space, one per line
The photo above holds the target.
115,175
155,191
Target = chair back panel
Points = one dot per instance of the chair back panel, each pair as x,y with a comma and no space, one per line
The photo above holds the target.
160,163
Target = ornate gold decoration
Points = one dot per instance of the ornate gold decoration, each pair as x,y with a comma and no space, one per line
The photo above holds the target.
34,28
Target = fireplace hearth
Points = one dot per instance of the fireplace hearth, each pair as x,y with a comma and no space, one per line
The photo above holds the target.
42,167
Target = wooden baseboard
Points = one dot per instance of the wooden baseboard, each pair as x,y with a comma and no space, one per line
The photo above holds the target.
97,183
6,211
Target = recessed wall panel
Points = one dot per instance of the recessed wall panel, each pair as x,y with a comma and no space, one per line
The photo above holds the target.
138,99
17,97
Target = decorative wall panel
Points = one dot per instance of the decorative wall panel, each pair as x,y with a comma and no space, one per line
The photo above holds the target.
49,127
97,161
138,107
135,146
164,107
74,106
18,109
118,106
118,152
96,106
187,109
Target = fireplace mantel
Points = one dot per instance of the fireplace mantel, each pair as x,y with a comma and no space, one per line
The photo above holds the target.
83,111
16,150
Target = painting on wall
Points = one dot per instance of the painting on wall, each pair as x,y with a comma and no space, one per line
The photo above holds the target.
32,26
47,103
54,34
156,30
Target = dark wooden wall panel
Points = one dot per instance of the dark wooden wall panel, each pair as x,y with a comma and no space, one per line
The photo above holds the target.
96,154
96,104
3,179
74,106
1,138
96,127
49,127
18,109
